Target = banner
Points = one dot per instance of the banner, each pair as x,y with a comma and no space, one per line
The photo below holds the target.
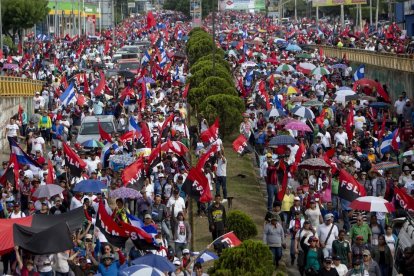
349,188
330,3
406,201
73,161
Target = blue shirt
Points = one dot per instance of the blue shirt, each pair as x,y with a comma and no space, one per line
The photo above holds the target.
110,270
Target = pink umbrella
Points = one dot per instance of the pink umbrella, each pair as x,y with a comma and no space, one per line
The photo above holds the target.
298,126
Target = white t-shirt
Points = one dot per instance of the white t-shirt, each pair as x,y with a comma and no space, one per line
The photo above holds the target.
359,121
325,139
20,214
37,144
313,216
221,167
323,231
12,130
341,269
181,233
399,106
179,205
341,138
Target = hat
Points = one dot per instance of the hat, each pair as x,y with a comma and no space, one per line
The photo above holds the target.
176,261
269,155
328,259
37,93
406,168
328,216
147,216
186,251
313,238
336,258
88,236
108,256
312,201
16,204
296,198
359,237
366,252
356,262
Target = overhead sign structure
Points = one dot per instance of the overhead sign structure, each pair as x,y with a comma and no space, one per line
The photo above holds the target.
330,3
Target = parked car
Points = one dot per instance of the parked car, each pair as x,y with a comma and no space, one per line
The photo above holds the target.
89,127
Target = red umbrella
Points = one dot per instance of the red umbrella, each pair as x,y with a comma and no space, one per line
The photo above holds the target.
372,204
372,84
272,61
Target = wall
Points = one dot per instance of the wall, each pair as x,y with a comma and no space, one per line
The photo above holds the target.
9,107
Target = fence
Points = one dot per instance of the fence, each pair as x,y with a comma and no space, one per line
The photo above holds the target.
19,87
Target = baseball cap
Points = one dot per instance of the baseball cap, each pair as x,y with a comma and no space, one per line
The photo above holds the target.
296,198
328,259
336,258
147,216
176,261
366,253
88,236
186,251
328,216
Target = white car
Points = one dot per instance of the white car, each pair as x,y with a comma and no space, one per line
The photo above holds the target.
89,127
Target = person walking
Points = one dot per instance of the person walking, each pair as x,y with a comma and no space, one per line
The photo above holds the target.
342,249
327,233
221,175
370,266
274,237
217,218
382,255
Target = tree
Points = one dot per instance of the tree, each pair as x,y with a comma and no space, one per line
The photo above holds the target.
178,5
250,258
208,60
199,49
204,72
228,108
241,224
22,14
210,86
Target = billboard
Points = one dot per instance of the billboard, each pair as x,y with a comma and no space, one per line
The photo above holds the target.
242,4
329,3
195,11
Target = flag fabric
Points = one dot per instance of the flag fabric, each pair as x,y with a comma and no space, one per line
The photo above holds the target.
69,95
151,22
264,95
99,90
349,188
103,134
113,233
206,256
212,133
11,174
133,174
73,161
405,200
146,135
23,158
134,221
240,145
328,159
196,186
20,113
167,122
106,150
282,191
133,125
227,240
206,156
145,58
359,73
272,82
51,176
390,142
185,92
350,123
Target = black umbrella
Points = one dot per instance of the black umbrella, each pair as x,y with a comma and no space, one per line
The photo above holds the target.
282,140
179,55
126,74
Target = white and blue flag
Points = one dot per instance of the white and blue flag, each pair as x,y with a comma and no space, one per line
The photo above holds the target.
69,95
133,126
23,158
145,58
387,141
359,73
206,256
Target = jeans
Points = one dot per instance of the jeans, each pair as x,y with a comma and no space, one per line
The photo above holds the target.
271,194
347,225
286,220
292,249
277,254
221,181
179,247
49,273
61,274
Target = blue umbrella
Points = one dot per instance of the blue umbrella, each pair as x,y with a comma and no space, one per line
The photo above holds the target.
146,80
92,144
379,105
275,112
89,186
293,48
339,66
282,140
140,270
234,43
155,261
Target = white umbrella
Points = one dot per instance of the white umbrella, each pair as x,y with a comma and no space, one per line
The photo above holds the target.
303,112
372,204
345,92
47,191
141,270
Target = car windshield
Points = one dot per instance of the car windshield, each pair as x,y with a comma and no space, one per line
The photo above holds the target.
129,66
92,128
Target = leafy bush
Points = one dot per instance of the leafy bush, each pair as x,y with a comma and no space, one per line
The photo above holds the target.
250,258
242,225
206,71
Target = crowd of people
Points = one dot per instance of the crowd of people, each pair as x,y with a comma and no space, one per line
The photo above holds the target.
299,94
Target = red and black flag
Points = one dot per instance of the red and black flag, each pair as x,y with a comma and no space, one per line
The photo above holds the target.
263,95
349,188
133,175
405,201
211,134
113,233
51,176
227,240
11,174
207,156
196,186
73,161
241,145
104,135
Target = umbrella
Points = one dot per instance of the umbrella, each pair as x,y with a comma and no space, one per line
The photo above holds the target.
305,67
126,74
179,54
298,99
379,105
146,80
285,68
258,39
140,270
344,88
298,126
368,98
89,186
232,53
275,112
272,61
155,261
303,112
286,120
314,164
261,55
249,64
293,48
124,192
344,98
282,140
339,66
372,204
92,144
279,40
385,166
345,92
312,103
408,153
10,66
292,90
304,55
320,71
47,191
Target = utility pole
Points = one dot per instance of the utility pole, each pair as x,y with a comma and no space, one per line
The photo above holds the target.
100,17
296,12
56,19
84,17
113,22
214,40
342,15
79,19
